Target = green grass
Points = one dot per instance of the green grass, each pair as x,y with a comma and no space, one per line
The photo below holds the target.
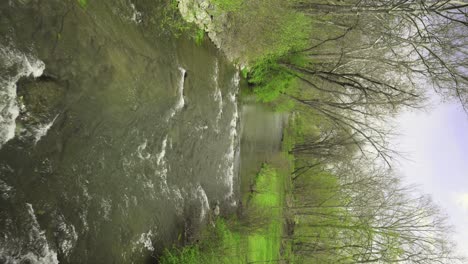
264,244
199,36
268,188
219,245
236,242
187,255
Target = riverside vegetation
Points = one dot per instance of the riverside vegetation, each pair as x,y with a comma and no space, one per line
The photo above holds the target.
340,68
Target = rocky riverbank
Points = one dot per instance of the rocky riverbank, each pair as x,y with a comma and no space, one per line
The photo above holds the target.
216,23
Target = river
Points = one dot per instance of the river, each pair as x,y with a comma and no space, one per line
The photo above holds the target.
116,137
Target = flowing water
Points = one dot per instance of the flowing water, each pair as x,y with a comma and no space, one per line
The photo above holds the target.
116,138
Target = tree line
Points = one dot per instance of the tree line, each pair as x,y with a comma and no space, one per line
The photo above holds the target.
364,62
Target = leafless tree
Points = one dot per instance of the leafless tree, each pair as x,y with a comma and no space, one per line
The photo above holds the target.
370,217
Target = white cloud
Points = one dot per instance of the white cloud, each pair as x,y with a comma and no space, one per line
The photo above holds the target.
462,200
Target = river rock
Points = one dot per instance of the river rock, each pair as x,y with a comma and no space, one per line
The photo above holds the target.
41,97
207,17
40,101
216,210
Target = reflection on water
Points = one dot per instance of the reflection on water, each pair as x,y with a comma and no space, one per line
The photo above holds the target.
261,136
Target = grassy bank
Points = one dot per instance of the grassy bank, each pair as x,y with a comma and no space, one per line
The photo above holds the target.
254,237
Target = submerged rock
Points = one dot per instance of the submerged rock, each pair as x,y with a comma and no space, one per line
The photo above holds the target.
40,101
41,97
216,210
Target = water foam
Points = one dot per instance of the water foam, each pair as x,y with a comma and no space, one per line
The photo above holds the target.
218,96
38,252
180,94
161,162
145,240
205,205
201,128
5,190
230,155
42,130
106,207
23,66
162,154
141,148
171,192
136,15
179,201
67,236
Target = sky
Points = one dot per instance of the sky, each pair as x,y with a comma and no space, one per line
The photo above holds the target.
435,147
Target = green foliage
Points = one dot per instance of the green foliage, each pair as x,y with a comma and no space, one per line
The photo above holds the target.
83,3
187,255
298,59
270,78
199,36
245,72
293,33
171,20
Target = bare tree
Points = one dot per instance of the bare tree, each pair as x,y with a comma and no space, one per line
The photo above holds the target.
423,40
370,217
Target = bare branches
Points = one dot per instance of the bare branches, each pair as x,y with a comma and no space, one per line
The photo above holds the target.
368,216
423,40
375,58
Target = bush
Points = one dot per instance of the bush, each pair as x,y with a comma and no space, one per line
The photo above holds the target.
272,78
199,36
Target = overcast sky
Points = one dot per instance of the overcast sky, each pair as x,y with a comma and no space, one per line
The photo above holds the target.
436,145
